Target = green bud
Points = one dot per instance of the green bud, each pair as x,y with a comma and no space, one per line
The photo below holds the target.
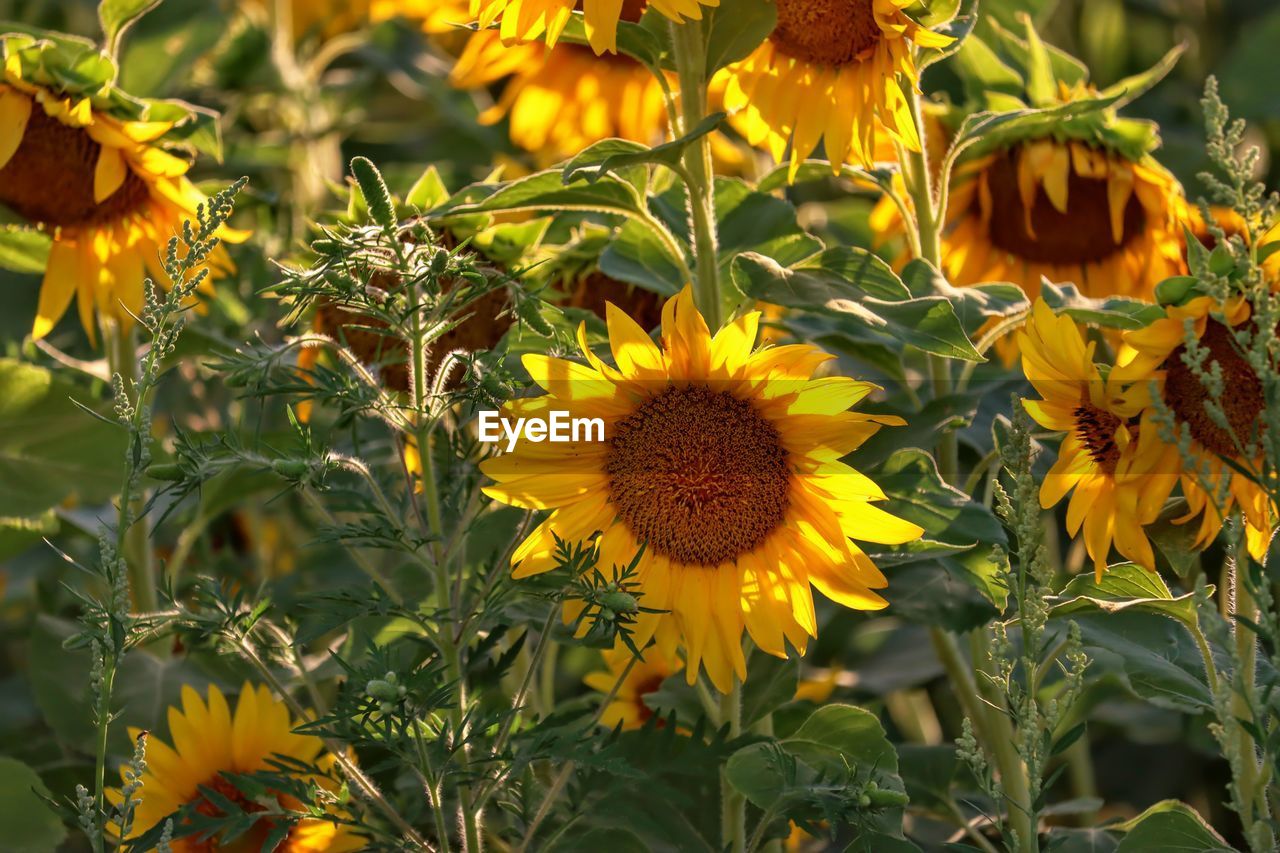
621,602
439,262
887,799
379,689
165,471
291,469
375,191
529,313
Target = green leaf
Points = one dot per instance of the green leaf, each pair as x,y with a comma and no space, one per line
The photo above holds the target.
50,449
428,191
611,155
638,257
116,16
1123,587
1170,827
24,249
918,493
145,687
1041,85
974,305
1154,656
771,683
1131,88
737,27
983,71
543,191
1072,840
1115,312
927,323
27,824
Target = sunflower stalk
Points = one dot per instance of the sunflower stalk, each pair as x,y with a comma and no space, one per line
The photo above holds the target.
689,44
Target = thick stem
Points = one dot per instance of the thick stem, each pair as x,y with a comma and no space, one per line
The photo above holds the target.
733,806
689,44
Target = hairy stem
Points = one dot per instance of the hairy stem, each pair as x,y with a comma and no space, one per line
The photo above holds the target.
689,44
733,806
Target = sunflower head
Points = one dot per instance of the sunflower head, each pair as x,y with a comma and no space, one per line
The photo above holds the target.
723,461
83,162
830,71
210,746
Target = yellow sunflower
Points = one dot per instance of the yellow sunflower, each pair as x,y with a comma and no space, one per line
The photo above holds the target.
1111,456
628,708
107,195
562,100
530,20
724,463
1156,354
828,71
209,742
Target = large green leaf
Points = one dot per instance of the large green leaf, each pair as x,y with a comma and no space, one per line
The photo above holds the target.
1123,587
611,155
1115,312
145,687
771,683
50,449
1154,656
1170,827
736,28
928,323
638,257
27,824
543,191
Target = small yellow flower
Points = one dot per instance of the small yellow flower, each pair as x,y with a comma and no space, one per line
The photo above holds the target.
724,463
209,741
1113,460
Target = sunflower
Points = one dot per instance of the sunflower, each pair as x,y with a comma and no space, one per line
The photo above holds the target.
530,20
1111,456
107,195
210,745
562,100
724,464
628,707
1157,354
830,70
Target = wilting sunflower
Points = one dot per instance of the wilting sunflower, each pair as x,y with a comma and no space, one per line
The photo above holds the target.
108,196
1156,354
210,744
564,99
530,20
628,708
828,71
724,463
1111,456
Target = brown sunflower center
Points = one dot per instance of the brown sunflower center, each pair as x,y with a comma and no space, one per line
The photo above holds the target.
1096,429
698,475
49,179
826,32
1082,235
632,10
1242,400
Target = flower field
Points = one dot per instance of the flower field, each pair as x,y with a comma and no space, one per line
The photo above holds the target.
639,425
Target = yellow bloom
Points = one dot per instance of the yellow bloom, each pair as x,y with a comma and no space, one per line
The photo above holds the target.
1120,471
828,71
627,707
209,741
562,100
529,20
724,462
107,195
1065,211
1155,354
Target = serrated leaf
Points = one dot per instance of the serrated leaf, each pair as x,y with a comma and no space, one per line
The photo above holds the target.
1123,587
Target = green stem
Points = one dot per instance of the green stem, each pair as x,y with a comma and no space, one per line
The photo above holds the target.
1003,749
133,533
733,806
103,724
1254,807
689,45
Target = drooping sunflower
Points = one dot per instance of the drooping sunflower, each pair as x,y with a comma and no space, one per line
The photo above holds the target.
831,70
531,20
104,190
1111,457
1157,354
211,744
628,708
725,464
564,99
